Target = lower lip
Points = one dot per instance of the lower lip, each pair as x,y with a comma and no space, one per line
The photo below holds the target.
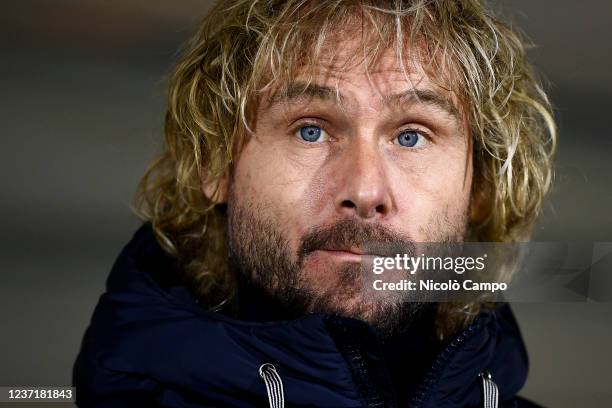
343,255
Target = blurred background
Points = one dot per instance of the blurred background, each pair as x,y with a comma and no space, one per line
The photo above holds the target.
82,102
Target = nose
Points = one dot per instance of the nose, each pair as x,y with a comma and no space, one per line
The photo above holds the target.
363,185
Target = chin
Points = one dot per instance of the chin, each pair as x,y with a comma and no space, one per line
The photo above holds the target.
385,315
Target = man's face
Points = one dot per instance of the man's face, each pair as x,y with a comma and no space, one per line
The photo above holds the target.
354,160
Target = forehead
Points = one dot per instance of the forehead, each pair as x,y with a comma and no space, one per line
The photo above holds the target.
342,71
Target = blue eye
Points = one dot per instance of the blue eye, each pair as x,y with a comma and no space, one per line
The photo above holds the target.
310,133
410,138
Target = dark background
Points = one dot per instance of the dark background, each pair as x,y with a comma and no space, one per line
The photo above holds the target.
82,102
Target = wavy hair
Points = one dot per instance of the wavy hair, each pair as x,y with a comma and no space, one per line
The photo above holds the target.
246,47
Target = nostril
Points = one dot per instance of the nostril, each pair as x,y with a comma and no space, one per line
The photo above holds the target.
348,204
380,209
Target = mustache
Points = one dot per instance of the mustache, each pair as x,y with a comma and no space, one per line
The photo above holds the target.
374,239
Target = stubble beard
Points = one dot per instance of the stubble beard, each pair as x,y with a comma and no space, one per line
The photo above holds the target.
259,251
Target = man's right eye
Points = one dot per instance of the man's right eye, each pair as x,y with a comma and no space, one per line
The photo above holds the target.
312,134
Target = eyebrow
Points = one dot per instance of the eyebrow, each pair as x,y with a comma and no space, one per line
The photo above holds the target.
299,90
426,97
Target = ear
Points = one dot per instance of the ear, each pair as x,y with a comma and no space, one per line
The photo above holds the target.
478,211
215,189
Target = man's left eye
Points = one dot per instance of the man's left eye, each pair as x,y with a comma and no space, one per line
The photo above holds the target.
411,138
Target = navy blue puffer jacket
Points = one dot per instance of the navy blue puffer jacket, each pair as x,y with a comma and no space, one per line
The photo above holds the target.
150,344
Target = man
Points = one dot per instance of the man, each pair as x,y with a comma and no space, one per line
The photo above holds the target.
300,136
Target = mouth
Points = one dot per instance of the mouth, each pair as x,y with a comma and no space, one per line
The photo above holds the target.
347,254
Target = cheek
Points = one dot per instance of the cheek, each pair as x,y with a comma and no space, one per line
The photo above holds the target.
434,190
449,181
275,187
